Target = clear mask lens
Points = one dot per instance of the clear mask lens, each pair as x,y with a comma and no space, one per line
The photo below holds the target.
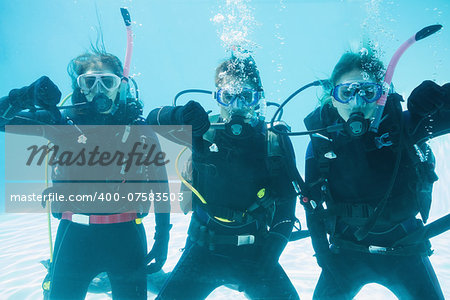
247,97
368,91
109,82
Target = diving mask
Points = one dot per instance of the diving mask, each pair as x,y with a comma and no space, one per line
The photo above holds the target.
88,82
368,91
246,97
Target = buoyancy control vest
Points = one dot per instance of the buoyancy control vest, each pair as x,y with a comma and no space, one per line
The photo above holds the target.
235,173
352,175
110,184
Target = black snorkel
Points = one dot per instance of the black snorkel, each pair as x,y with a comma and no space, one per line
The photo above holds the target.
189,91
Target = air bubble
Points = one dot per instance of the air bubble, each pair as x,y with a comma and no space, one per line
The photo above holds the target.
365,75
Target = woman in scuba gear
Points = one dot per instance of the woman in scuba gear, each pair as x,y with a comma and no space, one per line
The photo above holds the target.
243,211
109,237
366,188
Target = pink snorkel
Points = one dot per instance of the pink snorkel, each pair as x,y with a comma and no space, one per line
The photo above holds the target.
128,54
425,32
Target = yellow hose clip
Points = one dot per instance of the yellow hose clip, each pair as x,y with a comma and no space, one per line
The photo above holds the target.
46,285
261,193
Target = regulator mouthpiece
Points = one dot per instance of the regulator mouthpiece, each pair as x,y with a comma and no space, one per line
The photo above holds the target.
357,125
102,103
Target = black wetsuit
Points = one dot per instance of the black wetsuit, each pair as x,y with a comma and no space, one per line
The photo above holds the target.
83,251
228,171
358,174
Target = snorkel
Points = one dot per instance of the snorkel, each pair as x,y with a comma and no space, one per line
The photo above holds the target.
126,67
425,32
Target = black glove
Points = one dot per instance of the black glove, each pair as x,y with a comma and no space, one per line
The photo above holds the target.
193,114
272,247
428,98
159,249
43,93
324,258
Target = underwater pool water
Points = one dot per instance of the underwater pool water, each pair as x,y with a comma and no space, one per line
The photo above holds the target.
177,45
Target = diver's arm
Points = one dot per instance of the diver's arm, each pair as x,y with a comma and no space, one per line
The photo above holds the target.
8,110
15,116
40,121
160,247
42,93
428,113
315,213
159,183
284,196
424,128
190,114
16,101
274,242
158,187
166,116
284,217
163,226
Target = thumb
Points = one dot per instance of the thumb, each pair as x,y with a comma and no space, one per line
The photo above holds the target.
47,92
150,256
156,266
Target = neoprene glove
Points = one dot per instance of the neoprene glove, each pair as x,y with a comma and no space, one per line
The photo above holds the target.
43,93
192,113
159,249
324,258
272,247
428,98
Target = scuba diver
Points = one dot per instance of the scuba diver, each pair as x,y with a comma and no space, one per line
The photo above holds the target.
365,187
244,203
109,237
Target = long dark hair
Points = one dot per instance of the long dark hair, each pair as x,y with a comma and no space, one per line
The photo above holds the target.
93,59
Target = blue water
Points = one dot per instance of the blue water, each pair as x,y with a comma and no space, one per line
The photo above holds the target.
178,45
